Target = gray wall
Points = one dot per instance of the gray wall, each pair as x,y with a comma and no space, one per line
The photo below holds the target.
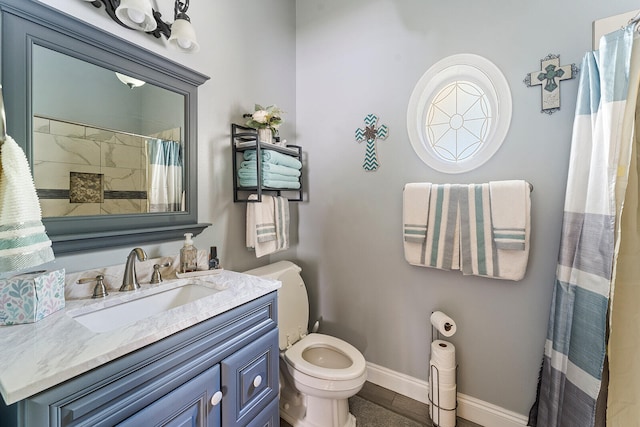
363,56
328,63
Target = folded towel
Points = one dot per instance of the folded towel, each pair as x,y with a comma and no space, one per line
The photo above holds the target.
442,249
252,174
509,213
23,240
274,157
511,218
289,185
477,248
415,213
267,228
270,167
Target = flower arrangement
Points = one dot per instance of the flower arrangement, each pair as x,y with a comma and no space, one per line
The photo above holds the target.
265,117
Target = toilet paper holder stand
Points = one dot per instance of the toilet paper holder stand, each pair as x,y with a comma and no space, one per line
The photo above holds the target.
435,373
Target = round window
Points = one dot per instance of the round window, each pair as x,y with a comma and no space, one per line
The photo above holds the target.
459,113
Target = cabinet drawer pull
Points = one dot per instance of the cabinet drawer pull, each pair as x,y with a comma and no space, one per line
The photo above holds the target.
216,398
257,381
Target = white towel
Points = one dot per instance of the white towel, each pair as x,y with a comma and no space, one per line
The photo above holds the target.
23,240
267,229
478,251
511,218
415,212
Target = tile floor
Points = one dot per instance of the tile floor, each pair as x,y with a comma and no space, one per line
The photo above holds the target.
375,406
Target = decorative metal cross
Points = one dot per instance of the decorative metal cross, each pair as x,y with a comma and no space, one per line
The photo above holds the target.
549,77
370,134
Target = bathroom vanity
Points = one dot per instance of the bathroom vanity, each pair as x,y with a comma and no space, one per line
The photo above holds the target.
210,362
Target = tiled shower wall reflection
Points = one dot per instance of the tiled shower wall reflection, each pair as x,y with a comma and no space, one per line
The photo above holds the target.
82,170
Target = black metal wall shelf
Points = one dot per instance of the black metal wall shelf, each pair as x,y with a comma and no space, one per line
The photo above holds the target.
245,138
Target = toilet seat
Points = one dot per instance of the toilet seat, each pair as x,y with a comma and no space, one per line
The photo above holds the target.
295,357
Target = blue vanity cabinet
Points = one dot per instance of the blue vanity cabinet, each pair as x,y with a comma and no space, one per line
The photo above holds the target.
222,372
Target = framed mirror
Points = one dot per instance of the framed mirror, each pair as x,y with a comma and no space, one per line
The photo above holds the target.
93,112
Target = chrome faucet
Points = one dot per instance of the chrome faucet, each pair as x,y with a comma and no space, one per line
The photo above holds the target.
130,279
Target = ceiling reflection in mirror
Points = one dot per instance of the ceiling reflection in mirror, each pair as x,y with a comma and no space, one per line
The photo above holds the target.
103,144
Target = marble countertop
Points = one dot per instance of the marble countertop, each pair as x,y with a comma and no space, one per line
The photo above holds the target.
37,356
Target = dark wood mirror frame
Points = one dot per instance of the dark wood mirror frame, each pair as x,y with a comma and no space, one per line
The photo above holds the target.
26,23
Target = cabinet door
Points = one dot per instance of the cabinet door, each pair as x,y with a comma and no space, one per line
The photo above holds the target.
188,405
269,417
251,380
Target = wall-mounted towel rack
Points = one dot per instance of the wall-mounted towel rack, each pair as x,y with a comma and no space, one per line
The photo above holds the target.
244,138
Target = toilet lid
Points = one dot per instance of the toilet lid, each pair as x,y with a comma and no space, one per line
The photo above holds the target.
295,357
293,308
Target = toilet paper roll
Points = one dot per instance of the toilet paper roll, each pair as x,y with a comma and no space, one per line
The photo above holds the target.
443,323
442,418
443,354
444,397
439,376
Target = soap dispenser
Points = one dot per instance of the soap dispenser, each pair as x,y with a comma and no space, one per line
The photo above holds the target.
188,255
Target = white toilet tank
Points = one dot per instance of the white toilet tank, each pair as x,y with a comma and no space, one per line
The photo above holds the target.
293,301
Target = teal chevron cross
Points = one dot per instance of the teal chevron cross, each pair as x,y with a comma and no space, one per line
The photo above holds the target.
370,134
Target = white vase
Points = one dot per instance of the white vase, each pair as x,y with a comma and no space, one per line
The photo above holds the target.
265,135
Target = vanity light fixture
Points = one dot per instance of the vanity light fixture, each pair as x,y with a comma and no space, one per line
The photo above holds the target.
140,15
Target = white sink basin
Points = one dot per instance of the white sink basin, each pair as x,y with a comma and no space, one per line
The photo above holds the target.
113,317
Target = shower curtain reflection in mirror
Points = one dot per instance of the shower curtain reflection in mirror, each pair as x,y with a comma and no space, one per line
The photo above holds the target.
165,176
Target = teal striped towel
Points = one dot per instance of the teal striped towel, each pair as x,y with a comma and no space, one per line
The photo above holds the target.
270,167
267,224
252,174
442,248
251,182
478,252
274,157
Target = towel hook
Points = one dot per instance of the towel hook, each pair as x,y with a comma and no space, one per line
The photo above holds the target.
3,119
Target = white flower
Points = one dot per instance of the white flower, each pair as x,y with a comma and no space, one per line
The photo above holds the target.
260,116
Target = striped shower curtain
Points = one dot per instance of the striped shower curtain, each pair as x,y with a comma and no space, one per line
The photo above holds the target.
574,353
164,176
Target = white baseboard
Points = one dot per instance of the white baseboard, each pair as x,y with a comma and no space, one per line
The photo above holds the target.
469,408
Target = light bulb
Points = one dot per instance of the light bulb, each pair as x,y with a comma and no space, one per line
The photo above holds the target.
185,43
136,16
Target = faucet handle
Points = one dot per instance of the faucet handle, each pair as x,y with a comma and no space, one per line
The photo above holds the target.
156,276
100,290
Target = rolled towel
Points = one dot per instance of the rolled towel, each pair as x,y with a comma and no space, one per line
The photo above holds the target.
252,174
274,157
270,167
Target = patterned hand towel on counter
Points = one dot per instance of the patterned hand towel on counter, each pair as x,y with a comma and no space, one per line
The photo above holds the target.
267,224
511,219
269,167
415,214
275,158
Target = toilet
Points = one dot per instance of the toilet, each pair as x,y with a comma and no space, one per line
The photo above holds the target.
318,373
